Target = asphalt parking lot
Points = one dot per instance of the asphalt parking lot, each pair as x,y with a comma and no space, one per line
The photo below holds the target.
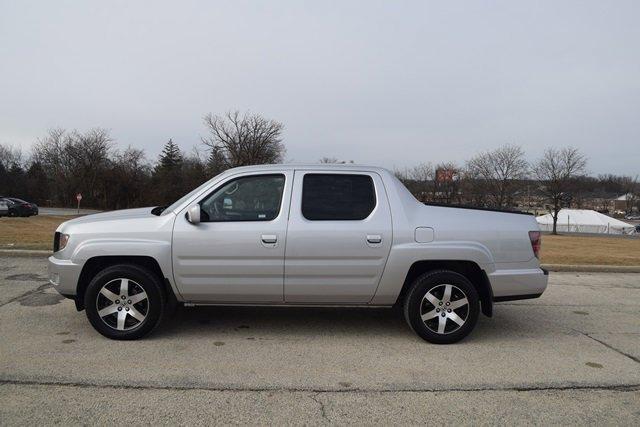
572,356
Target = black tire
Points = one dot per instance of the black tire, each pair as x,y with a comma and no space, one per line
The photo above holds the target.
153,306
416,305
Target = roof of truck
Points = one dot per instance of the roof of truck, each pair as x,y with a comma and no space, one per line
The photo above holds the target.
314,166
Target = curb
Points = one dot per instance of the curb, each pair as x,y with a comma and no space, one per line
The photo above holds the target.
592,268
25,253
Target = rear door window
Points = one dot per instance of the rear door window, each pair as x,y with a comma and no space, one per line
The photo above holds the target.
337,197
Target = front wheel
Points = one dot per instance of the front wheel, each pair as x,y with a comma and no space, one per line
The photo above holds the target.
124,302
442,307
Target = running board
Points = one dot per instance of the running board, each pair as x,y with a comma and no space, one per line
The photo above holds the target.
288,305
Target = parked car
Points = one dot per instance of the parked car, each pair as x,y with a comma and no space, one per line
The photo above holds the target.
320,235
4,207
633,217
19,207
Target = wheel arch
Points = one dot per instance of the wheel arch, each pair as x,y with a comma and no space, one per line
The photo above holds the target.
98,263
469,269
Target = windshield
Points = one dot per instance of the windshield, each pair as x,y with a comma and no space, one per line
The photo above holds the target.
186,197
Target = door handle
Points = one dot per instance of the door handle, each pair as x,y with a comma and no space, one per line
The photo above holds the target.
374,238
269,239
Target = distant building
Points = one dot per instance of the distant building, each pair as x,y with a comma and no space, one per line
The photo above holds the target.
446,175
623,203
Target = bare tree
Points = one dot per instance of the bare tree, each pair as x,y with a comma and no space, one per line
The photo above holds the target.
124,183
429,183
75,162
10,156
244,139
419,180
499,173
555,171
333,160
424,172
329,160
11,170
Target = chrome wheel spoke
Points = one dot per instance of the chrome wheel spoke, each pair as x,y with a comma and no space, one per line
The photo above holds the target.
442,322
136,314
432,299
459,303
122,316
138,297
108,310
430,315
109,295
447,293
124,287
453,316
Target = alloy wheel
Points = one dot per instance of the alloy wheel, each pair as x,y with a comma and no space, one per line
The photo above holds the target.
444,309
122,304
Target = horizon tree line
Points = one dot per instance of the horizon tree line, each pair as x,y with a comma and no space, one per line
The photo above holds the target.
64,163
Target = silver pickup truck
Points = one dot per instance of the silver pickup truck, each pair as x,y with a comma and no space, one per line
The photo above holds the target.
289,235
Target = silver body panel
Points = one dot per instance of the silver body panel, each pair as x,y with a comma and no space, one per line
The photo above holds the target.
229,261
333,261
311,262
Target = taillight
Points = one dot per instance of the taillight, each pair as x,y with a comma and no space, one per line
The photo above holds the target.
536,241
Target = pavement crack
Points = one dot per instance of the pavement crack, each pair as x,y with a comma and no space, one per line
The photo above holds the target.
26,294
609,346
319,391
323,410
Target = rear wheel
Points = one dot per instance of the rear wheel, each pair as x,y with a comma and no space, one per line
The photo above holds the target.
442,307
124,302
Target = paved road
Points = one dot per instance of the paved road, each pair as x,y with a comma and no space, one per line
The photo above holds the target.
572,356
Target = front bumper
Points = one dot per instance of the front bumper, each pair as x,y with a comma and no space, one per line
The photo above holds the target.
508,285
63,275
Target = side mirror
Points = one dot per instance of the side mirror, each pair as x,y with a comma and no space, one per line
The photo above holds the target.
193,214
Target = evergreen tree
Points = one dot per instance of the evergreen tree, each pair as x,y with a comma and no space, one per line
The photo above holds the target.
37,184
168,175
216,162
4,181
171,156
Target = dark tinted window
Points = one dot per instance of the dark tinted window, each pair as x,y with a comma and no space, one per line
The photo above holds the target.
337,197
250,198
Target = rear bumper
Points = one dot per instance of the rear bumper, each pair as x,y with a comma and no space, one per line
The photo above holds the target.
63,275
509,285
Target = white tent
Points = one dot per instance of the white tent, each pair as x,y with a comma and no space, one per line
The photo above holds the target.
584,221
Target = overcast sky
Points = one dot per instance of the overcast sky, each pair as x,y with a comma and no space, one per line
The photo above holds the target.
389,83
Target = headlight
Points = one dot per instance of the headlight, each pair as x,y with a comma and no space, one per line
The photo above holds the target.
64,239
60,241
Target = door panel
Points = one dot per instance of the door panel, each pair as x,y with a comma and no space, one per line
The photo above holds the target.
336,261
238,261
